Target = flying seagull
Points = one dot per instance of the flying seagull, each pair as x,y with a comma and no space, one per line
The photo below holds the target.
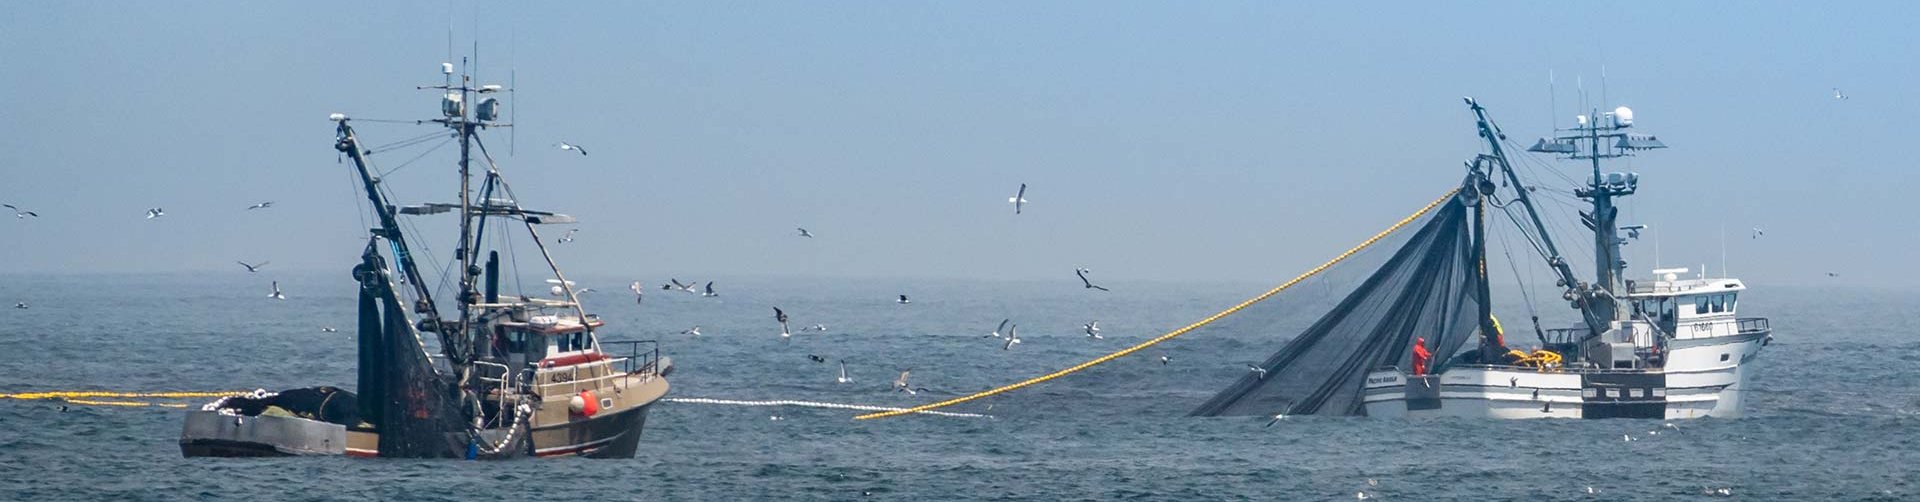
1082,272
781,315
900,384
155,213
569,237
709,291
570,146
843,373
903,300
1757,232
1092,329
1019,200
329,329
695,331
1013,337
262,205
677,285
1839,95
996,331
17,213
805,233
1259,372
252,268
639,296
1282,415
1833,274
276,294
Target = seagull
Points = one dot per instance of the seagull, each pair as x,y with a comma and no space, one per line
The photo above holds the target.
570,146
817,358
329,329
900,384
843,373
805,233
1093,330
1259,372
1757,232
569,237
1164,359
1282,415
1590,490
1626,437
1373,482
781,315
1082,272
252,268
1019,200
709,291
775,418
903,300
996,331
17,213
695,331
262,205
1839,95
677,285
1360,495
638,295
63,408
276,294
1670,425
20,305
818,327
1013,337
155,213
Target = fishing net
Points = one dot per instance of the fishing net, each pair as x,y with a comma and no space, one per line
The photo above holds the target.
1431,287
415,409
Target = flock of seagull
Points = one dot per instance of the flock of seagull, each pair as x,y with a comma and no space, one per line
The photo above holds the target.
155,213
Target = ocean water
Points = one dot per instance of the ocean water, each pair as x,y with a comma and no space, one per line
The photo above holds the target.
1831,412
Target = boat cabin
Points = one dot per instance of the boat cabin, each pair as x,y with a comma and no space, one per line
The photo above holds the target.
547,341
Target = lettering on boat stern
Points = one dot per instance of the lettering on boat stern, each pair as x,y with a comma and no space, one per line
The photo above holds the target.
1623,395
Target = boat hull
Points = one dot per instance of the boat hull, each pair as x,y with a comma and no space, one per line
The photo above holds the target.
212,434
1522,393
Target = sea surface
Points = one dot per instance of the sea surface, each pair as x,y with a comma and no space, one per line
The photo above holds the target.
1831,414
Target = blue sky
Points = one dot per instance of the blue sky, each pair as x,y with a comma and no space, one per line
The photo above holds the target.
1214,141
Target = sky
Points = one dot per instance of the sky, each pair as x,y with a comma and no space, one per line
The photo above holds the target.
1159,140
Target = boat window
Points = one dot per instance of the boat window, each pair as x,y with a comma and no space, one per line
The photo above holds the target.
1731,299
1699,305
1719,303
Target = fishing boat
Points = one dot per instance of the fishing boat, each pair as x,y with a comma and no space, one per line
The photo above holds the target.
498,376
1419,338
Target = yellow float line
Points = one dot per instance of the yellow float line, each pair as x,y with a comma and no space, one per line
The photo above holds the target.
124,403
83,394
1175,333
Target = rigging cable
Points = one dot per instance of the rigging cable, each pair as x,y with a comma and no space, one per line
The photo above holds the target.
1176,333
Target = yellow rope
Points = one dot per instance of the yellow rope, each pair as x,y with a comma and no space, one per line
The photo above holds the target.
130,404
1175,333
82,394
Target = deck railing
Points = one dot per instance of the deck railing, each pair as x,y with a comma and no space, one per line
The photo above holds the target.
1753,325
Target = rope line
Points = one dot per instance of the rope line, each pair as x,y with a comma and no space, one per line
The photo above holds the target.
813,404
127,404
83,394
1175,333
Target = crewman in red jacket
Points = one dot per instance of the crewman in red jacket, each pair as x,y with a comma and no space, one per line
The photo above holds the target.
1420,356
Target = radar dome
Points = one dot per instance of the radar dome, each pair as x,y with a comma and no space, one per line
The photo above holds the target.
1623,116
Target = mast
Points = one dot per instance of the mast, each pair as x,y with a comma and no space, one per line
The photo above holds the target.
1574,290
1605,136
349,143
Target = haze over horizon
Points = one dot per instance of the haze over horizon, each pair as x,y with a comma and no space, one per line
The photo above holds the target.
1160,141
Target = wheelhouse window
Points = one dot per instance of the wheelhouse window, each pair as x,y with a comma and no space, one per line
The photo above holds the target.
1700,304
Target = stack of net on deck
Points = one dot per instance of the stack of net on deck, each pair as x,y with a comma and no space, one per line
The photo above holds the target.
1431,287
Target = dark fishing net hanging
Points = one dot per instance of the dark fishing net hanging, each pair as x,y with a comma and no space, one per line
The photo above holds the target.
1431,287
415,409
